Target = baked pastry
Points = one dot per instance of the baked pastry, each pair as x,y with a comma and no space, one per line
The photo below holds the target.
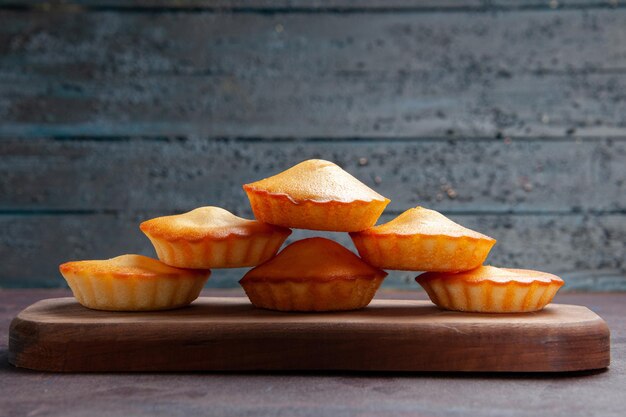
488,289
314,274
422,240
211,237
318,195
132,283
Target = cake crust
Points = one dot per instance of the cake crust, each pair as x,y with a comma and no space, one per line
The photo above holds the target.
208,222
488,289
132,283
211,237
316,180
317,195
314,274
422,240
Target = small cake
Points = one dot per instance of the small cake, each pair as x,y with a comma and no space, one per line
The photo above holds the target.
314,274
422,240
132,283
317,195
488,289
211,237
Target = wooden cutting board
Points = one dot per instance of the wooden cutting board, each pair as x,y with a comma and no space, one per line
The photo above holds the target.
228,334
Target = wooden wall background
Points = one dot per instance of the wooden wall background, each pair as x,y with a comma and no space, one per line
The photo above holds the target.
507,115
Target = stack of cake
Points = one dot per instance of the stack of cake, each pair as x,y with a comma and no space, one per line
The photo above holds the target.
314,274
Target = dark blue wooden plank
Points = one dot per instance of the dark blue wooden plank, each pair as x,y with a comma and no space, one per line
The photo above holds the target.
316,6
524,73
160,174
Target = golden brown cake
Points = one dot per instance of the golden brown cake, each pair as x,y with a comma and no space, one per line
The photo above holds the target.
318,195
488,289
211,237
132,283
422,240
313,274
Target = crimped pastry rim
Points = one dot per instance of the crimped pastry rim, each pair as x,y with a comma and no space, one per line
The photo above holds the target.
66,267
375,276
236,233
558,281
369,234
284,196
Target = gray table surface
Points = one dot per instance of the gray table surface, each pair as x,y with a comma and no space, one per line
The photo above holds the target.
28,393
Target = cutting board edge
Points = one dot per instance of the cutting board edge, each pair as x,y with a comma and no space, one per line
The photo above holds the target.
24,332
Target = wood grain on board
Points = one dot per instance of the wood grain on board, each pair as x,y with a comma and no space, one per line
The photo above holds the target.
274,394
228,334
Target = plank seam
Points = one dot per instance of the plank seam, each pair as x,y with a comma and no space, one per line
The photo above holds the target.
269,10
499,137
